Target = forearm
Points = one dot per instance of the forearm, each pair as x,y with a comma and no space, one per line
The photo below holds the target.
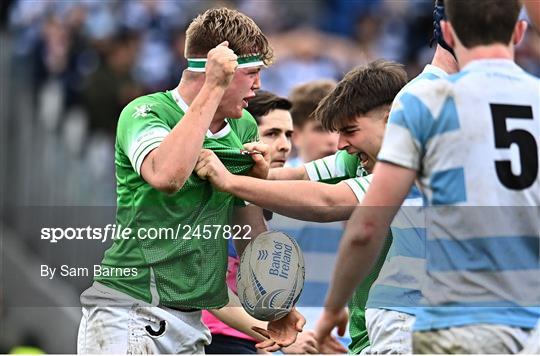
251,216
364,237
234,315
288,173
304,200
177,155
362,241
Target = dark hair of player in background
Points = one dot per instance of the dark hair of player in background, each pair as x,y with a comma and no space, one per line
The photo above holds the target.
483,22
264,102
214,26
305,99
363,89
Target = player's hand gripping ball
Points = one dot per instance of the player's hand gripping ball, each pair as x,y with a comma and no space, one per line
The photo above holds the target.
271,276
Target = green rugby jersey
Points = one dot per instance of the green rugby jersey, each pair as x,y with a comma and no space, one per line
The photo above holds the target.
346,167
335,168
186,267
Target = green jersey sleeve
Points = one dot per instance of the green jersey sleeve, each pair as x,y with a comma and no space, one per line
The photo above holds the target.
359,186
140,130
249,131
334,168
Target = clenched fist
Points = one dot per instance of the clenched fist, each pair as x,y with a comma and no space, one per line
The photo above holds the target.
221,64
210,167
261,159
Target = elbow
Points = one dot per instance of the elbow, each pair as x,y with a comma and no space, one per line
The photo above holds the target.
329,200
366,234
168,184
321,215
169,189
163,177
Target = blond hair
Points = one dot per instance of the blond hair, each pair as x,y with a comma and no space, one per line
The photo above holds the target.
214,26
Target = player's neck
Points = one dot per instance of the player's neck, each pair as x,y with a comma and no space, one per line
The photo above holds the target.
216,125
496,51
444,60
188,90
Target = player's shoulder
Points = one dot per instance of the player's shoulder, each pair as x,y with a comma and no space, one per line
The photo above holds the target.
245,123
429,74
350,162
343,155
145,108
143,112
145,104
340,157
247,118
423,95
436,86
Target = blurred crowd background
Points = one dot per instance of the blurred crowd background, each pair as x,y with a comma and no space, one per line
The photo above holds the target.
80,62
67,69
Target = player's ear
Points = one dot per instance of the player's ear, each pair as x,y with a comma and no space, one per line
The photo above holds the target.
448,33
519,32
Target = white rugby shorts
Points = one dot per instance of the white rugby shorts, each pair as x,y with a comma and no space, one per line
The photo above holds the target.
389,331
115,323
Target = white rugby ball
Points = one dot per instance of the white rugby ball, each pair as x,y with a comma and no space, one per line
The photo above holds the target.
270,276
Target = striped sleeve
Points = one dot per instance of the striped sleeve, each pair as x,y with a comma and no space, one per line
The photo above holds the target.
400,144
324,168
359,186
338,166
425,111
140,131
143,144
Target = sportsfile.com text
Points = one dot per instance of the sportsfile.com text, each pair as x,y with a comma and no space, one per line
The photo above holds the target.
117,232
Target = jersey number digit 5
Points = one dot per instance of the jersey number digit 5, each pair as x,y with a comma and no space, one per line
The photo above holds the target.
528,149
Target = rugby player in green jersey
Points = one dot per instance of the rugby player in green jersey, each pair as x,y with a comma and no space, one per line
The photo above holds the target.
153,285
358,109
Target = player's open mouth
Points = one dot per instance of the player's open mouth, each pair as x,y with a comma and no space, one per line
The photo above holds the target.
245,101
363,158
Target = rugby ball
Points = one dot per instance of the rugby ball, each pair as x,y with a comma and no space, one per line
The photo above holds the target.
270,276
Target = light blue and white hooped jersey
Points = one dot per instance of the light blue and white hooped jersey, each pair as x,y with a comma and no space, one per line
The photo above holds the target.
474,139
398,286
399,282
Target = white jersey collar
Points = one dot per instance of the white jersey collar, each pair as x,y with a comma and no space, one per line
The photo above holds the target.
184,107
439,72
491,63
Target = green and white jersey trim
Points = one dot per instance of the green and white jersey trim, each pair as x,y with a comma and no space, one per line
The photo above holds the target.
359,186
340,167
151,138
337,167
325,168
144,144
